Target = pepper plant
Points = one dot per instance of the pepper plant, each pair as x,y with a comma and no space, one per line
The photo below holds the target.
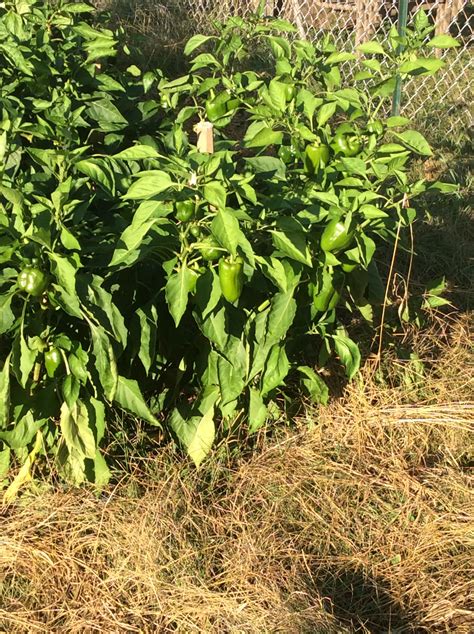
181,286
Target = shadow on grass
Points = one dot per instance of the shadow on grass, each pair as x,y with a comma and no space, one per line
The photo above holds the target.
362,603
444,236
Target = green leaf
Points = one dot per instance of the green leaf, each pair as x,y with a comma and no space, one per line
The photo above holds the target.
371,48
215,194
109,314
348,353
106,364
366,248
70,389
391,148
232,373
314,384
77,7
269,166
151,184
293,244
371,212
177,289
281,316
384,88
325,113
26,361
132,238
265,137
65,272
280,47
96,410
5,393
204,60
148,317
276,369
78,435
437,286
213,327
276,92
445,188
443,41
196,433
225,227
203,438
107,115
18,61
354,165
69,241
3,145
338,57
136,153
258,412
99,172
421,66
7,318
128,246
101,470
436,302
414,141
78,364
24,475
274,270
208,292
101,47
4,462
130,398
195,42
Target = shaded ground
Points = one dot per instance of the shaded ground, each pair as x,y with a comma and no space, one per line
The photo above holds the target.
360,523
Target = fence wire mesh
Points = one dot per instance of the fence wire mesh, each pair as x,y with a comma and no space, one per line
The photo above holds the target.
447,97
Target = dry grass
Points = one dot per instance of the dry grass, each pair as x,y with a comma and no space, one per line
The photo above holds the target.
360,523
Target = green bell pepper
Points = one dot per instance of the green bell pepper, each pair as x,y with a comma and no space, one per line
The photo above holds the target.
328,290
316,156
52,361
32,281
231,278
336,236
346,144
211,249
185,210
287,154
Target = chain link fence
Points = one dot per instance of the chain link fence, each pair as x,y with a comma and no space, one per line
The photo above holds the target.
446,98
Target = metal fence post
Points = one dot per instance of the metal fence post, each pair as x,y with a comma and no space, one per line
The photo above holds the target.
402,24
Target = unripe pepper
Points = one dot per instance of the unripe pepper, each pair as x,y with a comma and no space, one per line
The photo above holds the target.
316,156
210,250
328,292
287,153
195,231
375,127
32,280
346,144
290,91
231,278
185,210
52,361
336,236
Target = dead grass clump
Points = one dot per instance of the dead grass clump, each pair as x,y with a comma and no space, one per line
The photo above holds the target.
362,522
